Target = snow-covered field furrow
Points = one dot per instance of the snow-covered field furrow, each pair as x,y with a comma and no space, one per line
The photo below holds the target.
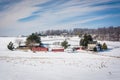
59,68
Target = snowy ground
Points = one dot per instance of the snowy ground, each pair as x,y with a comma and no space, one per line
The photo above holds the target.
82,65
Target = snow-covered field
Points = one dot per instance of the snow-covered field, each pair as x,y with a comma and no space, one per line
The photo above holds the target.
82,65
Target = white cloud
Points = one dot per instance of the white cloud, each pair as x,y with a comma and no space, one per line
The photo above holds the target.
17,11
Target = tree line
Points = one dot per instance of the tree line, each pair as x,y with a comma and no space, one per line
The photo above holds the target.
111,33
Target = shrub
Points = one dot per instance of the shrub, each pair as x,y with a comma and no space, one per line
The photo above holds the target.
95,49
10,46
100,46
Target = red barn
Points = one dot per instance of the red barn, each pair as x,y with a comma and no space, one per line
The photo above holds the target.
58,50
77,48
39,49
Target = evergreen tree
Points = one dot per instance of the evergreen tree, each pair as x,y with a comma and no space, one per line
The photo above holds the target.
33,39
104,46
86,39
64,44
81,42
10,46
89,37
85,42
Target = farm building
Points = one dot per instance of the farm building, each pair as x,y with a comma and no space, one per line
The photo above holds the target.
92,45
39,49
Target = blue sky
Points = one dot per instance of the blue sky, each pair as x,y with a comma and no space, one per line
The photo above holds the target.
19,17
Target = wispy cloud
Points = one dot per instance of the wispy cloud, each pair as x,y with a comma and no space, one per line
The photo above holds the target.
27,19
46,14
4,4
